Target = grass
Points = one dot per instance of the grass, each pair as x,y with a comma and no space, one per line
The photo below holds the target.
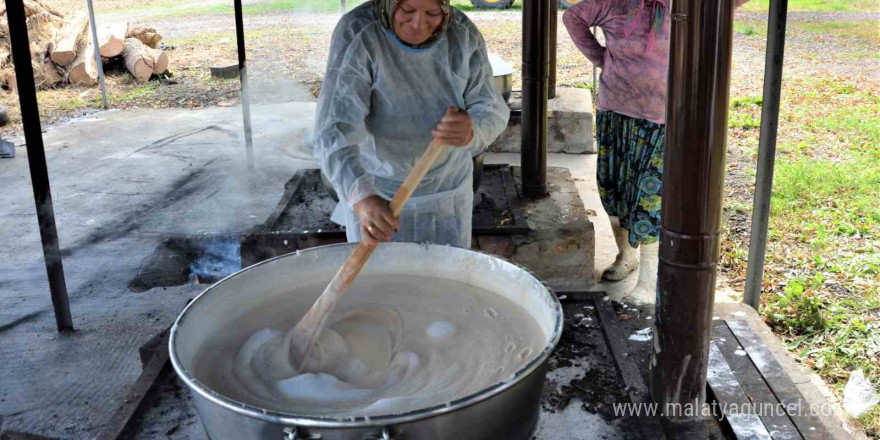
583,85
817,5
750,28
862,32
822,278
467,6
745,113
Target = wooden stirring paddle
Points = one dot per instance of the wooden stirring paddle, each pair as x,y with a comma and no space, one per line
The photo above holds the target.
306,332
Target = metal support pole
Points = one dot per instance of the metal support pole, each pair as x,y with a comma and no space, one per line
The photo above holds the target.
535,66
554,18
342,6
30,117
766,149
97,53
701,43
242,75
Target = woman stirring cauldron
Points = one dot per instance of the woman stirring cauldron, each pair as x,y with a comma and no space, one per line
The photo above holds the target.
400,74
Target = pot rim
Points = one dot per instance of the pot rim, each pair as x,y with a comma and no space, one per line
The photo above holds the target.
360,421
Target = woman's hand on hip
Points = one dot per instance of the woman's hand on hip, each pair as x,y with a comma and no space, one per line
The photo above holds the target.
455,129
376,219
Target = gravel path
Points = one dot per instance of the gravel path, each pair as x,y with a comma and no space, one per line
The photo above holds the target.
805,17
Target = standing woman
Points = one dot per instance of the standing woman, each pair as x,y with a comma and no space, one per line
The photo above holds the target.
630,123
400,74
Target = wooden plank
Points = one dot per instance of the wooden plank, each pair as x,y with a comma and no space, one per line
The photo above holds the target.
767,407
783,388
290,189
139,390
498,185
626,367
727,390
519,217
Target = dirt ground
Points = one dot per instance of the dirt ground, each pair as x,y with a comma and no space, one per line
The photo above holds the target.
289,48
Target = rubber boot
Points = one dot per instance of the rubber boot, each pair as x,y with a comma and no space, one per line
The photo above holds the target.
626,260
646,289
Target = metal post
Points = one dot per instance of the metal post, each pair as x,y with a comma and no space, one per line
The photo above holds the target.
97,53
535,65
342,6
766,149
700,55
554,18
30,117
242,75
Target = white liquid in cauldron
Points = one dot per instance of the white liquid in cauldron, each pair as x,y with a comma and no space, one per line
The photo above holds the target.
393,345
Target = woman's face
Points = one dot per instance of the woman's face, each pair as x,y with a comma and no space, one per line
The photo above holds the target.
415,21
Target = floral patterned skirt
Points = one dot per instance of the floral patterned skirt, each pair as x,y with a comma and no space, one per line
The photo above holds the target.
630,172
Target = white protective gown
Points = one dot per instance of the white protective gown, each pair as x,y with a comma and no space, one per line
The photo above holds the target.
378,105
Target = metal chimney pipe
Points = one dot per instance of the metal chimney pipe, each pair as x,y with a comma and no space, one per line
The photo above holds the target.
693,179
535,66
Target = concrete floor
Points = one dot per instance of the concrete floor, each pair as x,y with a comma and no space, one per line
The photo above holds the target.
122,182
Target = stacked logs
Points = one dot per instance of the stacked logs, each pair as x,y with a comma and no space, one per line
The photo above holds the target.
62,50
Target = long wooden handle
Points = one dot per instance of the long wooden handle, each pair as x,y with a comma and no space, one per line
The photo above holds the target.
306,332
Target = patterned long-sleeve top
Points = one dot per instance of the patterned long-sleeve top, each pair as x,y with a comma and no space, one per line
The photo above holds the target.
633,81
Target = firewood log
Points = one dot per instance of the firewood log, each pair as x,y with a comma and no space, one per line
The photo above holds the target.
111,39
147,36
68,40
84,69
138,59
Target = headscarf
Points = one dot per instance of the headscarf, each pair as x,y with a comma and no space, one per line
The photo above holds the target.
649,13
385,11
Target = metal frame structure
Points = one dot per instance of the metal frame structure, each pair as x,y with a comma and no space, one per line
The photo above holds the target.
33,135
100,65
766,149
245,91
699,75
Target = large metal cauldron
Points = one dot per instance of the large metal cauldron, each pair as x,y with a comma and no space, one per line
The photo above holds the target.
507,410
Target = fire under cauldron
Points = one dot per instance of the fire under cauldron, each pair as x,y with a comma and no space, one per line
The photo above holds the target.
507,410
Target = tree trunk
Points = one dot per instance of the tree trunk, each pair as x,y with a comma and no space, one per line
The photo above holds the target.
111,39
68,40
138,60
147,36
83,70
